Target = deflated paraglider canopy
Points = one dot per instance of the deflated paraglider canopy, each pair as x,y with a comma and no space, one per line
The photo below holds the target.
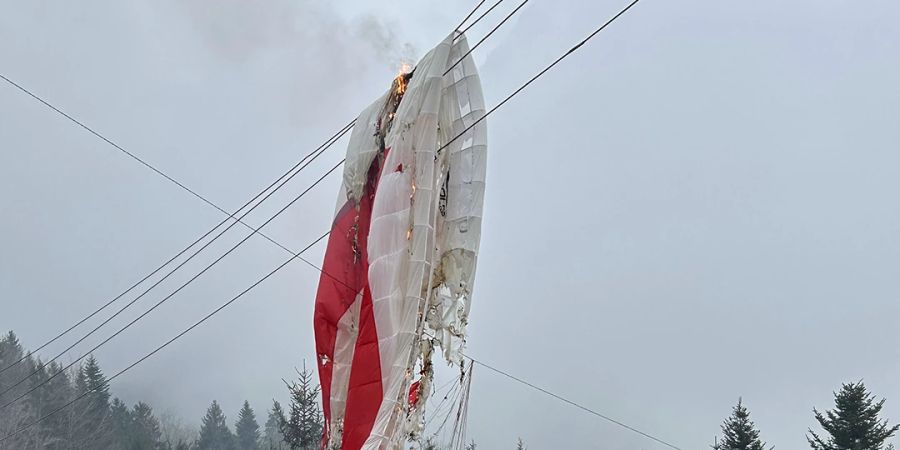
400,262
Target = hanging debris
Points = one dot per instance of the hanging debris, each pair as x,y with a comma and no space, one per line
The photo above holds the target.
400,263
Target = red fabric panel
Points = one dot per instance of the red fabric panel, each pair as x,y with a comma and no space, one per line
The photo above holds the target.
344,274
365,391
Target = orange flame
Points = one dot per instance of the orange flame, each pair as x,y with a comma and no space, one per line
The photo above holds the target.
401,78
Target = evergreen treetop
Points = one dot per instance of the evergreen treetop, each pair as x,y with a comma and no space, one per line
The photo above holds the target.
144,433
303,428
10,349
214,432
93,426
739,432
274,438
247,429
93,382
854,423
120,420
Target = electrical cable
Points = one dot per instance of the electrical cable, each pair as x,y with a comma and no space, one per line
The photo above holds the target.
496,4
176,291
497,27
164,345
325,144
470,14
577,405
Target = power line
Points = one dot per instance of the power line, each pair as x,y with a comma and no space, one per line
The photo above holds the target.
330,141
110,142
570,402
166,344
131,155
508,16
496,4
176,291
171,179
470,14
180,265
542,72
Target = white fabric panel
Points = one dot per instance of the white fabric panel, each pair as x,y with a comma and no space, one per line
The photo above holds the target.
459,227
404,208
362,149
344,347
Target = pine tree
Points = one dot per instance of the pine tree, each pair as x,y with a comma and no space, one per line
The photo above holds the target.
214,432
53,394
274,438
20,413
11,353
247,429
739,432
854,423
59,392
521,445
120,423
303,429
92,426
50,433
10,350
145,434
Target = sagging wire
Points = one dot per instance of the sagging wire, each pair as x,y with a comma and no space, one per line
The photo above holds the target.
327,144
496,4
449,392
460,425
167,343
475,9
176,291
497,27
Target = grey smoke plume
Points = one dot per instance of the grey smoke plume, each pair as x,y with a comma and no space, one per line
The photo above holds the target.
383,40
296,47
243,29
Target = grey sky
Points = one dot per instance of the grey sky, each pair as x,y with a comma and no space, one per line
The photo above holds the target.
699,205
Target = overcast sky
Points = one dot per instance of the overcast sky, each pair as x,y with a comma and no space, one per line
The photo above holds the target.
699,205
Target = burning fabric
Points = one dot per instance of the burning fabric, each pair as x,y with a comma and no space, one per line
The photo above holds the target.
400,264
